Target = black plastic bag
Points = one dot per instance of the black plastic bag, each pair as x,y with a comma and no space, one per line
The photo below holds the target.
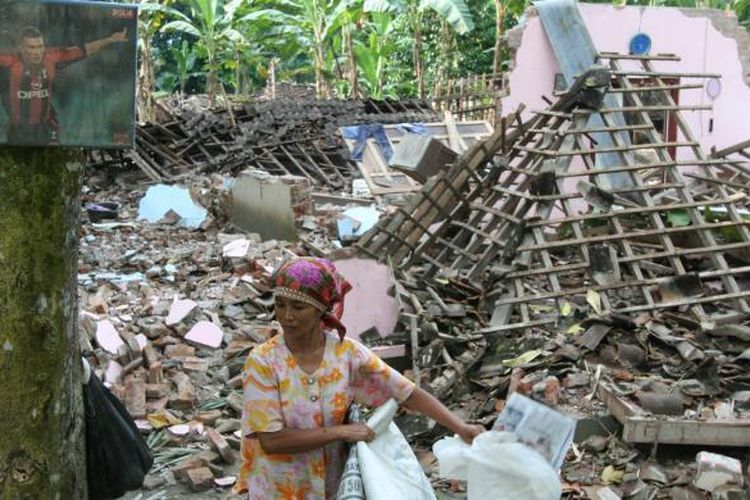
117,457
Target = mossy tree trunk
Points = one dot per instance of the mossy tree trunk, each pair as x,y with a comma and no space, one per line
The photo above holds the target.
41,414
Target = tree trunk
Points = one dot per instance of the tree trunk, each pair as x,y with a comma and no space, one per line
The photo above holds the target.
500,10
418,61
446,42
238,88
145,97
351,62
211,83
321,85
42,441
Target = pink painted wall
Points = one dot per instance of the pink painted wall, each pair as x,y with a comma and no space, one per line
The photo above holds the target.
695,39
368,304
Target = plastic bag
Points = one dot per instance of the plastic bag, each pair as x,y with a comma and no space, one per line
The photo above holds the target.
117,457
390,471
452,454
497,466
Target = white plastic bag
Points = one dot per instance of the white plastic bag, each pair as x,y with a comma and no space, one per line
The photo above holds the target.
497,466
503,469
452,454
389,469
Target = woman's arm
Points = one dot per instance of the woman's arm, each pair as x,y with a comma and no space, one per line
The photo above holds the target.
425,403
301,440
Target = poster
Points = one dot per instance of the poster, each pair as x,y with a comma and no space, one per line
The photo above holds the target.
67,73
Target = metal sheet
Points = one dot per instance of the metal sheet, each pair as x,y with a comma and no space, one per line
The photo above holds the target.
575,52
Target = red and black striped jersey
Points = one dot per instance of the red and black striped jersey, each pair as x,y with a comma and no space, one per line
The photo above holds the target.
27,90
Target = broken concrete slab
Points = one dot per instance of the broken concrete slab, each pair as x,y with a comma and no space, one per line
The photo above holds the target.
354,222
179,310
715,471
269,205
238,248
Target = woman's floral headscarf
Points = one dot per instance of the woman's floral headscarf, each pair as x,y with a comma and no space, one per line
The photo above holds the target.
316,282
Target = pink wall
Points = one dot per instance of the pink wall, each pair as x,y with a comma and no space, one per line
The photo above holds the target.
693,38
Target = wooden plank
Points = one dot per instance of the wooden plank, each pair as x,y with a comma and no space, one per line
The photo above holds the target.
455,141
648,57
647,109
579,152
640,428
657,74
731,149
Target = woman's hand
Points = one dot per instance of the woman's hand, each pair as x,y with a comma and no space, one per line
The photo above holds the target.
351,433
468,432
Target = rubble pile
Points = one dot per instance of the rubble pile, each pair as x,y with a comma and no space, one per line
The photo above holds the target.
168,316
616,295
634,286
280,137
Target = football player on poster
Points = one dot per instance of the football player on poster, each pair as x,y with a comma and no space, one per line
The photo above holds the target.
29,82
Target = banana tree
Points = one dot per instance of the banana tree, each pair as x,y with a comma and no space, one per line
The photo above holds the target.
313,23
151,18
176,75
373,53
214,23
455,12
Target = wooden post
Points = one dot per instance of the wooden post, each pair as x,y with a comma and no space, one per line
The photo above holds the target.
272,76
414,336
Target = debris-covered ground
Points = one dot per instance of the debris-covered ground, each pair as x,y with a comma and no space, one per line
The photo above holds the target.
620,298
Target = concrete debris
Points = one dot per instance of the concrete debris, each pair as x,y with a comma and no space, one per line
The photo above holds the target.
716,471
269,205
108,338
179,310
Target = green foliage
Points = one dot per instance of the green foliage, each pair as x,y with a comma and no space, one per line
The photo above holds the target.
197,42
176,76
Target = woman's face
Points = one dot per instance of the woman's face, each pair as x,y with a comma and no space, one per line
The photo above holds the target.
297,318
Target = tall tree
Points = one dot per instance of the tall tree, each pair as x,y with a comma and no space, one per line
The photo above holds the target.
41,443
455,13
150,20
313,23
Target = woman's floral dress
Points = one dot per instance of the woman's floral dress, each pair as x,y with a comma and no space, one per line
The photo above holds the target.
279,394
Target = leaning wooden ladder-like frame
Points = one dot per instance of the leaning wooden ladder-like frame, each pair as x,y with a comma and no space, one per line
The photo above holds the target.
510,227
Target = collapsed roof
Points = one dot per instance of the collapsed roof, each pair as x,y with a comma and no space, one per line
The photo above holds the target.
528,219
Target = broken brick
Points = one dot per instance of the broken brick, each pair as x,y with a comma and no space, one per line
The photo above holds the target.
200,479
220,445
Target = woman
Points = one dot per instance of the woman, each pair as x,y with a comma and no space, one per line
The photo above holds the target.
298,387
